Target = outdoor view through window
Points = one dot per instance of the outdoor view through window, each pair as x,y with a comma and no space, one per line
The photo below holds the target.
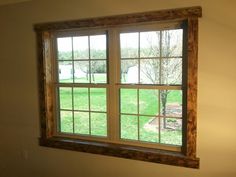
82,59
148,82
147,113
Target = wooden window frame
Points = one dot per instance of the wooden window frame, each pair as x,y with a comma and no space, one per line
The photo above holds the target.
187,156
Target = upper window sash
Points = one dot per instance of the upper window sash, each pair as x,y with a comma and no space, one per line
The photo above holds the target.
88,57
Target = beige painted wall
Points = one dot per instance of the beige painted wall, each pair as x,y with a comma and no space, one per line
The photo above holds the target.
20,155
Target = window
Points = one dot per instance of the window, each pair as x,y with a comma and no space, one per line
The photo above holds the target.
123,86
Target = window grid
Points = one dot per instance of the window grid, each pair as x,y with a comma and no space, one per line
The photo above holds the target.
159,117
137,86
73,110
73,85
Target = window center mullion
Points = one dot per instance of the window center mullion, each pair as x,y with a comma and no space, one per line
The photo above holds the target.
113,90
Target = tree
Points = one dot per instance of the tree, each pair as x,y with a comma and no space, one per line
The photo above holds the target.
169,71
96,66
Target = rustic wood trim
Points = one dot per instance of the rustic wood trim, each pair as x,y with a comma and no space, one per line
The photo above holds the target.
161,15
45,84
41,86
49,89
123,151
184,85
192,87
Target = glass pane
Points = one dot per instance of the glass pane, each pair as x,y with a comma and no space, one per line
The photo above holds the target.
148,102
171,131
172,71
81,122
148,129
172,43
149,71
81,99
98,72
129,71
171,103
98,99
65,95
98,45
81,71
129,127
150,44
64,48
128,101
65,70
66,123
129,45
99,124
80,47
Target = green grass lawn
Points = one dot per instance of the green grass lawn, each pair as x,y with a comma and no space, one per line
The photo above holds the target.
131,125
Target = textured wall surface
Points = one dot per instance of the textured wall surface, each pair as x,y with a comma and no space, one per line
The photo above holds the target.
20,155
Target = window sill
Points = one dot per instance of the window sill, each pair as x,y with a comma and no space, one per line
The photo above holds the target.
123,151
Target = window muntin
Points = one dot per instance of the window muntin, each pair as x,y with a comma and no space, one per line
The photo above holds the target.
81,62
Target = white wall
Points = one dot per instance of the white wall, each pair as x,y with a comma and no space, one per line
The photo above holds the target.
20,155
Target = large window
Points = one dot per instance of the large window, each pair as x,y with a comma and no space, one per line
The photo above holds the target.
123,86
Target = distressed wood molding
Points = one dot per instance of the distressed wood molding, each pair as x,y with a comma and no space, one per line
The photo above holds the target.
123,151
192,87
162,15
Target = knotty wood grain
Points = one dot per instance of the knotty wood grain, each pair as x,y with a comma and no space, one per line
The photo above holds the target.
192,87
163,15
123,151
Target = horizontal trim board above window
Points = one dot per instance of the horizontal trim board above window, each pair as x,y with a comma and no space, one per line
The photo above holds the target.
162,15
